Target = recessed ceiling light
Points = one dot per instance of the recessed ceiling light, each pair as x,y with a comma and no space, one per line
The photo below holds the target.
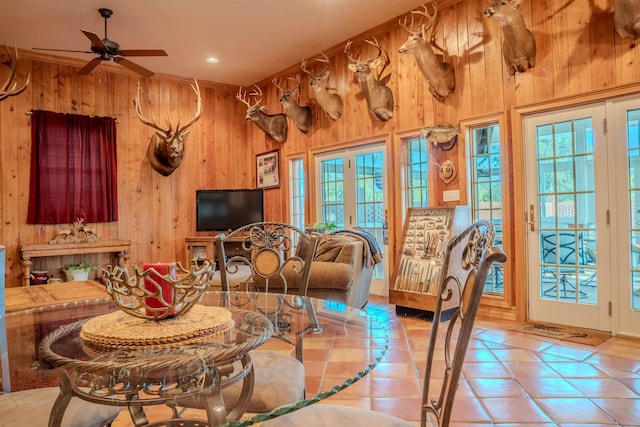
212,60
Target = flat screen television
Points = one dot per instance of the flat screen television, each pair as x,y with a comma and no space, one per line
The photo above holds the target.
223,210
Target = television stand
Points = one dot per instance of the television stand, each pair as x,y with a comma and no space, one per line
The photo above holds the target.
201,248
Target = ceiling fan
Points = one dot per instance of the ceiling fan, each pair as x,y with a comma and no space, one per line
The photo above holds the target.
108,49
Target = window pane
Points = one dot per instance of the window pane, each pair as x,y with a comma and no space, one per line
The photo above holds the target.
486,190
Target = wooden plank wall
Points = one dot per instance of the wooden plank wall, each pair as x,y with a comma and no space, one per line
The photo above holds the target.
578,52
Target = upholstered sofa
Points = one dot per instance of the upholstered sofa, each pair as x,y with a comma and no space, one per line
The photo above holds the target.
341,270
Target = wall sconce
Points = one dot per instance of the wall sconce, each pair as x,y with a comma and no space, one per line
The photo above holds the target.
447,172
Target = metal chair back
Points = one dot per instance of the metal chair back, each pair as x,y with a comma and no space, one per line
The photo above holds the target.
468,260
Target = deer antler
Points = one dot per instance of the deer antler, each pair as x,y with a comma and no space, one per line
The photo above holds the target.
276,82
143,119
5,91
297,80
168,130
198,112
243,97
257,92
324,59
425,14
374,42
347,51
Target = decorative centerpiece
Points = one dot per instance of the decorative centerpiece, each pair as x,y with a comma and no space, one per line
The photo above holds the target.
159,291
157,308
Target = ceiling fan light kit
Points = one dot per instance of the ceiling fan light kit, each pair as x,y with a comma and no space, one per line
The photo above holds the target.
110,50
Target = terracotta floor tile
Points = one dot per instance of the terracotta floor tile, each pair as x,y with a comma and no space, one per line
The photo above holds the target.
485,370
574,410
576,370
624,411
509,410
395,387
549,387
510,379
497,387
602,387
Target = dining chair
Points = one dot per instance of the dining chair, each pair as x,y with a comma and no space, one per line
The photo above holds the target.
467,261
33,407
276,258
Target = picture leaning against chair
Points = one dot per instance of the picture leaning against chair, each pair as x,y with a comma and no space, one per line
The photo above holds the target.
278,379
468,259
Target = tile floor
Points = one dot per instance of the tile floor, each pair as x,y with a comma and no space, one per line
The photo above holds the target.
510,378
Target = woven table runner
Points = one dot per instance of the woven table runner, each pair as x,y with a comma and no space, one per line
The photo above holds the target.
119,329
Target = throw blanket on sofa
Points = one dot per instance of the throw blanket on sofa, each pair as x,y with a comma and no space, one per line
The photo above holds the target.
372,253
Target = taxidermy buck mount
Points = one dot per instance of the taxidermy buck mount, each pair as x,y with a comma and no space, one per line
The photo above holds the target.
330,102
299,115
166,148
518,45
379,97
626,17
438,74
274,125
8,89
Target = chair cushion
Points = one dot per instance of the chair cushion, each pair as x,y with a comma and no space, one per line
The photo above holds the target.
278,380
326,415
33,407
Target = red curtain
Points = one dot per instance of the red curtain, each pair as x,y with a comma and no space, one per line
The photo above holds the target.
73,169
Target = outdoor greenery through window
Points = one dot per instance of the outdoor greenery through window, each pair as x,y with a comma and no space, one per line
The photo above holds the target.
486,189
417,173
332,191
296,193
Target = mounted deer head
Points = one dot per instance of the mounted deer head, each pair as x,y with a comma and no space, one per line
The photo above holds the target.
299,115
166,148
274,125
330,102
626,16
518,45
8,89
437,73
379,97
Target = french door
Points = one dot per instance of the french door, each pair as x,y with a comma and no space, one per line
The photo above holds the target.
351,193
583,181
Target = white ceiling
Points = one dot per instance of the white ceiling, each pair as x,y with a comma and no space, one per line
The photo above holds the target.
253,39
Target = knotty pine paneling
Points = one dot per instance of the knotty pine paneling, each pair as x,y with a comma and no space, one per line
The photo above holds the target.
578,52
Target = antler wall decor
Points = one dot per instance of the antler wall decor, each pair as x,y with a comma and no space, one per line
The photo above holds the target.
438,74
274,125
166,148
519,45
330,102
626,17
299,115
379,97
8,89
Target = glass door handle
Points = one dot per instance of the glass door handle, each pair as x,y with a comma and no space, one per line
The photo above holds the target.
532,218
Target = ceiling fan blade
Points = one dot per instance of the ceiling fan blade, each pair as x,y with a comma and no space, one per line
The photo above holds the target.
134,67
142,52
90,66
95,39
61,50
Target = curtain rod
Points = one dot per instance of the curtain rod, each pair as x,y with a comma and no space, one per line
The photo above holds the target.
29,113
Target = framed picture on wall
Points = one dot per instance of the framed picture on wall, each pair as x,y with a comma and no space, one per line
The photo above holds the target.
268,169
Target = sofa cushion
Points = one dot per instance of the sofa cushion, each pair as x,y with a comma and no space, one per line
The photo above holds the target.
329,246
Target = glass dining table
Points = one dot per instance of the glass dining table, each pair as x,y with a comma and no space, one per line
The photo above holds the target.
141,374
